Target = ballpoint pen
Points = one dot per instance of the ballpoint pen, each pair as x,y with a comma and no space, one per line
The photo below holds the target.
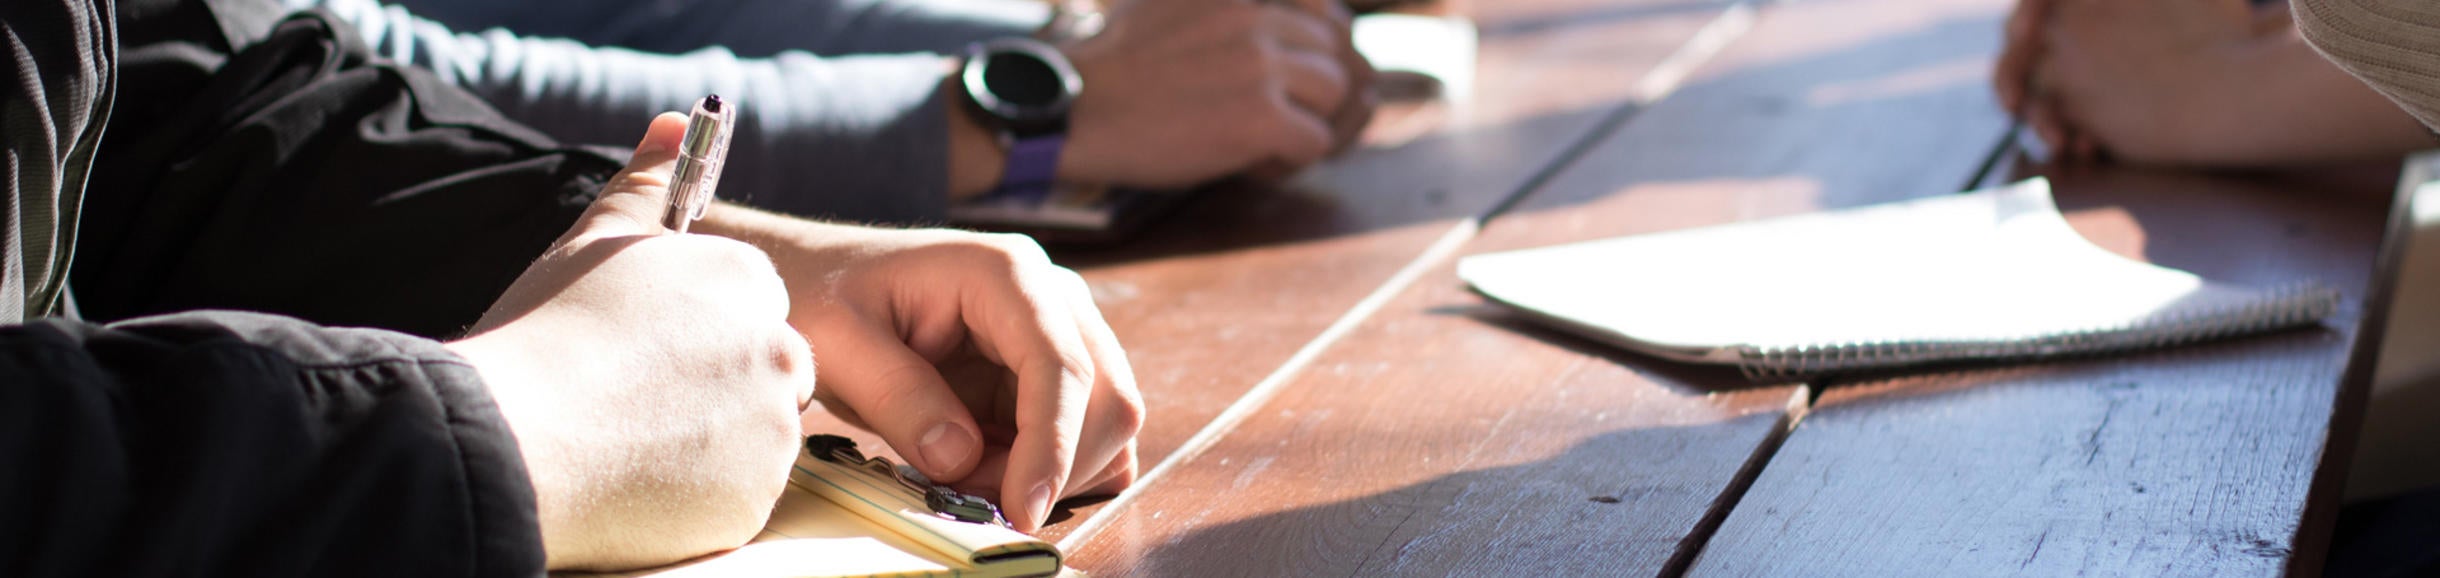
701,154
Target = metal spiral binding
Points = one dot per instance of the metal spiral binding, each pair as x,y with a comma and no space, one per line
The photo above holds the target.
2287,306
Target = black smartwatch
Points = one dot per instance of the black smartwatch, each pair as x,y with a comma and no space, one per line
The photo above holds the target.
1023,87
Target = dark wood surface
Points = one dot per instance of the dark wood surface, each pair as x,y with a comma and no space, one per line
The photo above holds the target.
1443,437
1221,295
1825,104
2196,461
1327,398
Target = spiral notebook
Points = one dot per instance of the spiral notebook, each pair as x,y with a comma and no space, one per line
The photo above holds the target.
1988,275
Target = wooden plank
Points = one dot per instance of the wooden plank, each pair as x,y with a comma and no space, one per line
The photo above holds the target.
1445,437
1433,441
1840,102
2197,461
1220,296
1217,299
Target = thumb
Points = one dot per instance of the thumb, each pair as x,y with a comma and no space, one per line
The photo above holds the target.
632,202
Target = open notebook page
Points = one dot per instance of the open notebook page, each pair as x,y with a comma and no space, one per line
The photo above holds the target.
1989,274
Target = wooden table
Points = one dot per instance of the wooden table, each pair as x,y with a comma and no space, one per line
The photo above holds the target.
1325,397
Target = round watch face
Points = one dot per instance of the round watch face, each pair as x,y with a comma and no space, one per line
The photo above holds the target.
1024,83
1022,80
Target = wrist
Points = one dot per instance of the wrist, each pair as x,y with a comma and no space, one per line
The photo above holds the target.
976,159
503,363
803,250
1016,96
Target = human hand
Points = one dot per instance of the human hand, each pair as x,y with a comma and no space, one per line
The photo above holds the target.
1178,93
1356,111
980,362
651,379
2153,81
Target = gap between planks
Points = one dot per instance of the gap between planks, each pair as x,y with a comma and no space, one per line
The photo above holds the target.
1993,170
1800,404
1656,84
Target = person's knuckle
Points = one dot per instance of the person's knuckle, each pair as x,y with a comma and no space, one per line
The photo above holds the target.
1018,249
1076,367
1075,284
1291,142
789,356
1077,360
1127,413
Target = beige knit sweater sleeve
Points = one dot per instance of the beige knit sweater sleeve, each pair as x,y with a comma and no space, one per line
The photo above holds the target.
2393,45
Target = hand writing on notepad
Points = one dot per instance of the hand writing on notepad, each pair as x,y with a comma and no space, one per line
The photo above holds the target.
651,379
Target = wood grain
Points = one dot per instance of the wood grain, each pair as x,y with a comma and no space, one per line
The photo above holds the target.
1215,298
2196,461
1445,437
1437,441
1842,103
1218,298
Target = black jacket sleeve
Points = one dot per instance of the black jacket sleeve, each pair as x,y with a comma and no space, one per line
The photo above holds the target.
236,444
301,175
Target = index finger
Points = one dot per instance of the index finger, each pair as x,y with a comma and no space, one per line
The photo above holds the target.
1029,330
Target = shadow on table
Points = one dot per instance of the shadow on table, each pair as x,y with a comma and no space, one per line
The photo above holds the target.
1621,503
1439,177
1680,377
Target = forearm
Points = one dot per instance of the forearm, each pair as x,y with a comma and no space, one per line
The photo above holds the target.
862,138
774,232
976,157
753,28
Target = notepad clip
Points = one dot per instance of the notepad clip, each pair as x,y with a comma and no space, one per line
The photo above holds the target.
948,503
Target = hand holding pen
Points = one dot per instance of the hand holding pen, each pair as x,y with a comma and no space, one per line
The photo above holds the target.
2020,80
613,325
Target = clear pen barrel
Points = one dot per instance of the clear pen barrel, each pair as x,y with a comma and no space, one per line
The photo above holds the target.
700,157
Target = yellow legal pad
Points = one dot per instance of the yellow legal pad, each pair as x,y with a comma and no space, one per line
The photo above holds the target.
839,521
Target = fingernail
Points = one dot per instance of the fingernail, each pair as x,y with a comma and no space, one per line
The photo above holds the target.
945,446
1039,503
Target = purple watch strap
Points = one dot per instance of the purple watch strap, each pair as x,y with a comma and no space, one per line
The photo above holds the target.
1033,163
